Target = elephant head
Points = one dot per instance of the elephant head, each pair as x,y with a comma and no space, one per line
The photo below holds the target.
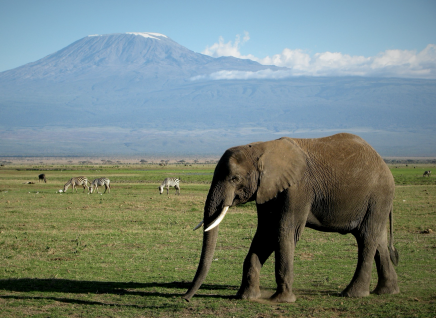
257,171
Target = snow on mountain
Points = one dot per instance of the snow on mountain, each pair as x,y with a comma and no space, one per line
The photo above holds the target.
148,35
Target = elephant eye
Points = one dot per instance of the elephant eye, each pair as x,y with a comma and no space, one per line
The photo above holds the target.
235,179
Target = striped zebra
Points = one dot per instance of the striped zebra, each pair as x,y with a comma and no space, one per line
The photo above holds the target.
76,181
100,182
427,173
170,182
42,177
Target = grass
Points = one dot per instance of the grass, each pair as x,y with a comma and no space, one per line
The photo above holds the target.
132,253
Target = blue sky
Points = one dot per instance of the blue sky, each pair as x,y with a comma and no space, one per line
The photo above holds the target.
390,38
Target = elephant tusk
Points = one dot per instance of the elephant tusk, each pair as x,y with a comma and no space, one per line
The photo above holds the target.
199,225
218,220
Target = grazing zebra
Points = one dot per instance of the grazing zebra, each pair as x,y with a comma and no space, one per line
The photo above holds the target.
42,177
170,182
77,181
427,173
100,182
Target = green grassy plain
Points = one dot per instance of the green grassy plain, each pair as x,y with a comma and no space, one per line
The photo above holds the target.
132,253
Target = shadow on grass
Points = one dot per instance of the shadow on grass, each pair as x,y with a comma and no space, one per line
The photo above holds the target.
95,287
118,288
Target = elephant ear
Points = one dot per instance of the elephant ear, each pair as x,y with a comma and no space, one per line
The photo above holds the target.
281,165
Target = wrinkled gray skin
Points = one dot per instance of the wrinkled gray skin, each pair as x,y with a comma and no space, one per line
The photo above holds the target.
332,184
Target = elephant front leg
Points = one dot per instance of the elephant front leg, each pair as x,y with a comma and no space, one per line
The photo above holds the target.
260,250
250,288
284,269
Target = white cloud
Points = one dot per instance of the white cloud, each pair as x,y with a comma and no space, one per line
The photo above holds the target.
227,49
390,63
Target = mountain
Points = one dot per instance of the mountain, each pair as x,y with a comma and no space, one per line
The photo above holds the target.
102,80
136,55
143,93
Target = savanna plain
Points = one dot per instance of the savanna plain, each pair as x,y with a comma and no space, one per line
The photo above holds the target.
132,252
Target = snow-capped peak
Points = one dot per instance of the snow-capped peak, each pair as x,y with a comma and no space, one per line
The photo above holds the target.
150,35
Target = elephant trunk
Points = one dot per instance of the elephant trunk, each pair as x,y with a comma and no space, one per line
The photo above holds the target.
209,244
215,208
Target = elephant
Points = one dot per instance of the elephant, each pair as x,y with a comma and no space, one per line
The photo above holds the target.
337,183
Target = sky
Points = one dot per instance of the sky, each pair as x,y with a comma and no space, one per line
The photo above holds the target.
313,37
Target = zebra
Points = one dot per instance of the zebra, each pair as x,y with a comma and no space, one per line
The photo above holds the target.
77,181
170,182
427,173
42,177
100,182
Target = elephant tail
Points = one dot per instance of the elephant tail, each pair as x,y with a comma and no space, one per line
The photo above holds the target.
392,250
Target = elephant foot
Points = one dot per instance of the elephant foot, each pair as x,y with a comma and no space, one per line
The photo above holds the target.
386,289
283,297
248,293
354,292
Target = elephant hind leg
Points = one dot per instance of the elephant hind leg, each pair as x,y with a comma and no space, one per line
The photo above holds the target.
372,244
387,277
359,285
